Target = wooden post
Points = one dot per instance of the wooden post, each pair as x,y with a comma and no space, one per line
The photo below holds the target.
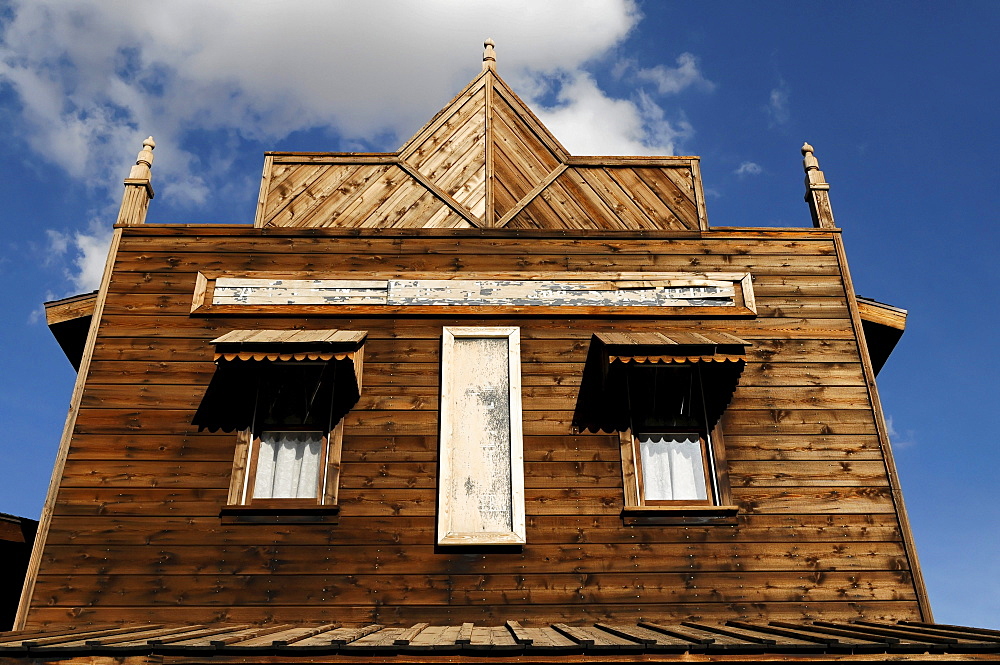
817,191
138,189
138,192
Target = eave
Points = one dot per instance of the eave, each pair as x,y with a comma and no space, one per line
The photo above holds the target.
69,320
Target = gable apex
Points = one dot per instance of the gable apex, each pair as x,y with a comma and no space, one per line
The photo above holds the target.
484,160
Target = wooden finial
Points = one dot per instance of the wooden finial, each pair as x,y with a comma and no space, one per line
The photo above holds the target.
817,190
138,188
143,161
489,55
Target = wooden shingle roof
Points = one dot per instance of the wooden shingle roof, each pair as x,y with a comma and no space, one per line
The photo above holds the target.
483,161
643,641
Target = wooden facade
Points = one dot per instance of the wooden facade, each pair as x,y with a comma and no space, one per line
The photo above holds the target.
136,529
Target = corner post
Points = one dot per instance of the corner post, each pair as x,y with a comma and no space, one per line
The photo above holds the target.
138,188
817,191
138,192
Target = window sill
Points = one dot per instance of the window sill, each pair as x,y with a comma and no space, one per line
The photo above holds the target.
680,514
249,514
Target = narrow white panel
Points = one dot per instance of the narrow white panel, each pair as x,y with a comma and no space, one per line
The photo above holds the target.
481,499
473,292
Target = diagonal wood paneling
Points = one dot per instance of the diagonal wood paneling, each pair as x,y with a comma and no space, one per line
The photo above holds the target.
675,189
483,160
522,154
453,155
613,198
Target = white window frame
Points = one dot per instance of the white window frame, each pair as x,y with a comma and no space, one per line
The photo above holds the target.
450,510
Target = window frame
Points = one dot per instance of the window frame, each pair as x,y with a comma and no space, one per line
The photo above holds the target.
713,462
327,475
240,498
448,510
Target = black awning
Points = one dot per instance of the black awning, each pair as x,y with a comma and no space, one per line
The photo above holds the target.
672,379
282,378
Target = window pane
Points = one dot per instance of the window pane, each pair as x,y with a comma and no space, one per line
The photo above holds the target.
288,465
672,467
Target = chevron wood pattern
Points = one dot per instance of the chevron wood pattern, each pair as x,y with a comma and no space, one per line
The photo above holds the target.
484,160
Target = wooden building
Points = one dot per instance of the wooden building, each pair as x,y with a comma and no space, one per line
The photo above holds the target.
478,393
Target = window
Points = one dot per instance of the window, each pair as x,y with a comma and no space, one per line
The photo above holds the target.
481,483
285,394
664,395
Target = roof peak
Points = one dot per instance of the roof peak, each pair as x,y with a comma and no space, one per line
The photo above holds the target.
489,55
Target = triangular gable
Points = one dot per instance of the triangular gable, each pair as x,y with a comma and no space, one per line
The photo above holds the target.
485,160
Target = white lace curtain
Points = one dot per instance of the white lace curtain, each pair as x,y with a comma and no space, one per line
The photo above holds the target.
673,468
288,465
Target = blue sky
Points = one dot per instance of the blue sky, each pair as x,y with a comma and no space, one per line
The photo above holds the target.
899,99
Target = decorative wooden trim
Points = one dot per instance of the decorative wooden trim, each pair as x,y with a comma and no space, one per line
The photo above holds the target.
238,480
630,474
201,296
876,312
333,157
489,215
448,510
265,186
432,291
45,521
530,196
457,207
746,293
699,193
923,600
609,161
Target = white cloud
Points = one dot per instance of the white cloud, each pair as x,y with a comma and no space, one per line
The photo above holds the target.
671,80
588,122
95,77
749,168
899,441
87,251
777,104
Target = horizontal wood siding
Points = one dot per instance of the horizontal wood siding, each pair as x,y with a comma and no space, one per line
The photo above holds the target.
137,534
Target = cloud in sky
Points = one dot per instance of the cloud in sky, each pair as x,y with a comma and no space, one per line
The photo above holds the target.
777,104
95,77
671,80
748,168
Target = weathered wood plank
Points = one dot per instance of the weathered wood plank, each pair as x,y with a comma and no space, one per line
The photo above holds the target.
299,559
787,530
487,615
472,590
